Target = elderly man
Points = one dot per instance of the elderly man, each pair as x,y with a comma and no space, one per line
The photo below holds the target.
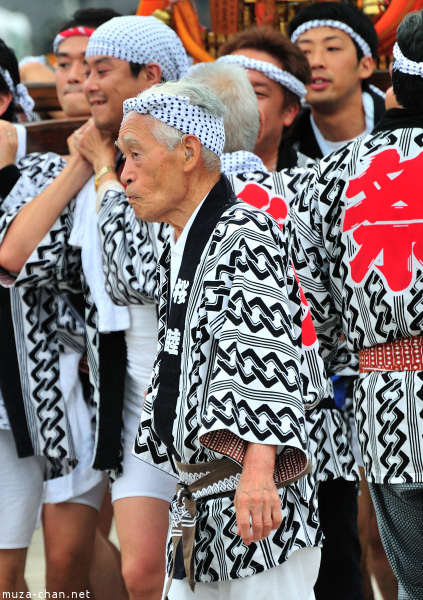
356,247
51,216
225,408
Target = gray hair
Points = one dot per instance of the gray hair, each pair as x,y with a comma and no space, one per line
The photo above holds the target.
199,95
232,86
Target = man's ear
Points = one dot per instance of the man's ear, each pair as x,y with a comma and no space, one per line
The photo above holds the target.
366,67
191,147
153,73
289,114
261,127
5,100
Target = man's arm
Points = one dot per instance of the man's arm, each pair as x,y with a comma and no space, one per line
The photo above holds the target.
257,502
308,253
37,217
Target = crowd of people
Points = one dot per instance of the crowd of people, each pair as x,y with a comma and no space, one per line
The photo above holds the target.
210,315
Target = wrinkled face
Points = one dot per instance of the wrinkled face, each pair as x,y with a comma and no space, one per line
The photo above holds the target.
70,76
335,70
154,175
270,98
108,83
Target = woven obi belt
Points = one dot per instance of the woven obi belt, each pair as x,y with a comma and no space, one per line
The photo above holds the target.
215,479
405,354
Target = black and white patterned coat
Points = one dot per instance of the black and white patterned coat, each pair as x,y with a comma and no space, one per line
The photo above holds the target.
244,377
330,444
54,268
356,231
44,320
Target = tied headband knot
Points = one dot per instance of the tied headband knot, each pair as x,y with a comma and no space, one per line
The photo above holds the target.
177,112
404,64
289,81
361,43
19,92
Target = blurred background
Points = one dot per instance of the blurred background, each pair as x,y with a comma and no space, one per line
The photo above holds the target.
29,26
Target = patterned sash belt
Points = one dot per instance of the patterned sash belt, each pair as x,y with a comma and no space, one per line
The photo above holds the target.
218,478
405,354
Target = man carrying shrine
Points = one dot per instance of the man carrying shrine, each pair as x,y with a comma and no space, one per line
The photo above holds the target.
225,409
356,243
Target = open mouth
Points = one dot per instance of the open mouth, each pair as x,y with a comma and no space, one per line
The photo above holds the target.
319,83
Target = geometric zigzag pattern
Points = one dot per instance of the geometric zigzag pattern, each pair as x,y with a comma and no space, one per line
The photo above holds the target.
39,329
330,446
370,306
241,371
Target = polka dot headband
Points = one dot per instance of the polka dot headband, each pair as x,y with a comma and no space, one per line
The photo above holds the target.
67,33
289,81
177,112
141,40
19,92
362,44
404,64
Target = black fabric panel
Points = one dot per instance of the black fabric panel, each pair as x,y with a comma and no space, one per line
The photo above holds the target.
8,177
112,349
10,382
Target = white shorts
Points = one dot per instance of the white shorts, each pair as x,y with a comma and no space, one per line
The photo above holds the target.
293,580
139,478
83,485
21,489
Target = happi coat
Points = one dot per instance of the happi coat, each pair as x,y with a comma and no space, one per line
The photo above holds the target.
38,322
356,231
231,369
54,267
330,445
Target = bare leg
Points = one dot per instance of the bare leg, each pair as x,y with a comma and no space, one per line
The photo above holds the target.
105,572
12,570
106,558
142,524
69,531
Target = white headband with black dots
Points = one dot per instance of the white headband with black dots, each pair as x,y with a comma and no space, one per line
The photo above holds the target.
404,64
289,81
141,40
19,92
177,112
362,44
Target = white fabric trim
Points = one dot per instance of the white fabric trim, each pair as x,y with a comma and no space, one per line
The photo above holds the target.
19,92
85,235
404,64
287,80
363,45
177,112
296,577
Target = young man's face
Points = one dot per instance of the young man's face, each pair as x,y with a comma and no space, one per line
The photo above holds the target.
108,83
70,76
335,69
270,96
